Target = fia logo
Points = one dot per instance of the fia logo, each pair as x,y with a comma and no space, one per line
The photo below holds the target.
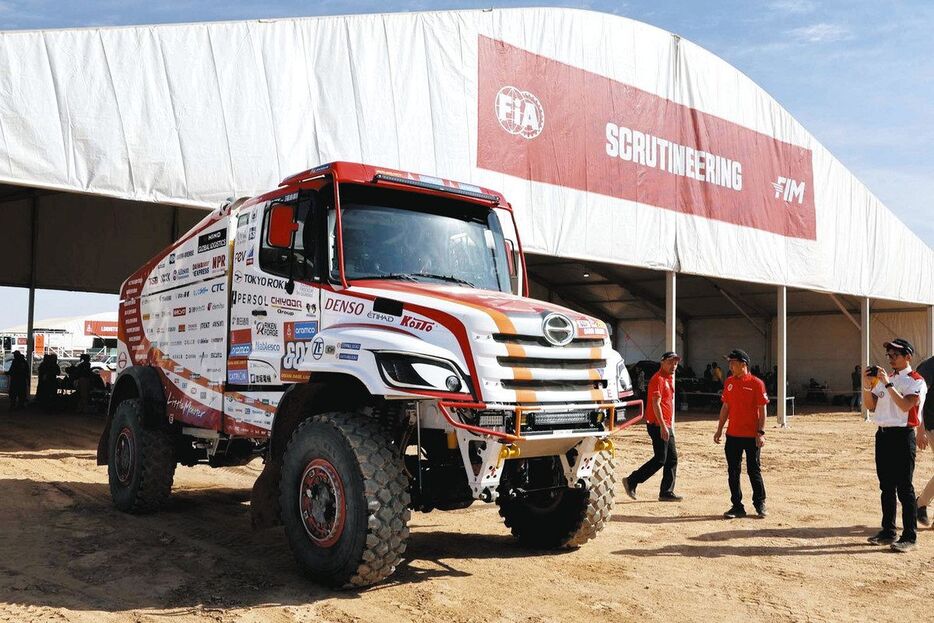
519,112
789,189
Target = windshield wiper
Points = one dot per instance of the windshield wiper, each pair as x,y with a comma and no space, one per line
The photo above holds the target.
415,276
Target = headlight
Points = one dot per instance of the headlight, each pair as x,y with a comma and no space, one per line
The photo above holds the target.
419,372
623,381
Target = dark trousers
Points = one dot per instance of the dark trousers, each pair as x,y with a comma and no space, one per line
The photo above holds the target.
734,448
665,456
895,466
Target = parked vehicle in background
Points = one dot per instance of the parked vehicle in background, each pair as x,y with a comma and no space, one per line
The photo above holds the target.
366,332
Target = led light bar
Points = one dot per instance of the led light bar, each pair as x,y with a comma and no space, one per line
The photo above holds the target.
560,419
487,420
436,184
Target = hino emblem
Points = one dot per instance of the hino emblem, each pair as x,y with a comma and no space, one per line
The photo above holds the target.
558,329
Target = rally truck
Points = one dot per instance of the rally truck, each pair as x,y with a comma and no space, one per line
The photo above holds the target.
368,333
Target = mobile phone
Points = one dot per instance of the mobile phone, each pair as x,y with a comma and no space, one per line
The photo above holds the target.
872,371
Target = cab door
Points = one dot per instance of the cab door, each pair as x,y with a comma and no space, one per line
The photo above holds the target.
272,317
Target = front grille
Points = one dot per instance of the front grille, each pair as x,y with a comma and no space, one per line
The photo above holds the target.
551,364
538,340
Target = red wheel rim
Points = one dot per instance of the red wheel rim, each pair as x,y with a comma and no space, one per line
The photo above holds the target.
322,503
124,452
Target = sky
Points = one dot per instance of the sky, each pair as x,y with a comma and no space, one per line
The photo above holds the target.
858,74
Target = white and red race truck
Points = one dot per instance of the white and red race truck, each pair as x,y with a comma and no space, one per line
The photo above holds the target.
364,331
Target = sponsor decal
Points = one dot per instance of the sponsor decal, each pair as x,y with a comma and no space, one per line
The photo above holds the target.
197,308
218,262
267,347
344,306
122,360
620,141
199,291
248,298
240,377
350,345
260,378
182,294
199,269
330,349
317,348
381,317
171,258
239,321
218,287
266,329
417,323
302,331
286,303
261,280
249,257
212,240
241,343
348,356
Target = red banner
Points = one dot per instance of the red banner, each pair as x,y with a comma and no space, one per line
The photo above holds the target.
549,122
100,328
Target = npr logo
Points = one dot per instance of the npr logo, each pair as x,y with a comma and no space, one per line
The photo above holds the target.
789,189
519,112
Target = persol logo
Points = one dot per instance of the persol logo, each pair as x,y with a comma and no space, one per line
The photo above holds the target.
558,329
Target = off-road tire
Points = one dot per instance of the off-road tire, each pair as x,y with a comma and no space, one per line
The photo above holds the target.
372,538
570,520
142,469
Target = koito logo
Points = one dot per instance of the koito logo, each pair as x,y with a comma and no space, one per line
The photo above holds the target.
519,112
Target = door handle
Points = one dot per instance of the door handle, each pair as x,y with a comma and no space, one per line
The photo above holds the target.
259,312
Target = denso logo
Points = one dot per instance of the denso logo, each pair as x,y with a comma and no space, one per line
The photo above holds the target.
417,324
343,306
519,112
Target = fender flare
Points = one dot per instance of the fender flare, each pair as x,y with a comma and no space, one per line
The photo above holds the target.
141,382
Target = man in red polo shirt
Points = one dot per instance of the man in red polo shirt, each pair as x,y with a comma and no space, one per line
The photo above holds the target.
659,419
744,401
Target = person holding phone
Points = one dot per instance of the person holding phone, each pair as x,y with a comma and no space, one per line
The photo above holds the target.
896,400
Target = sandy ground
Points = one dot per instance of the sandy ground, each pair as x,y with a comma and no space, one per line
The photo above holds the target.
67,555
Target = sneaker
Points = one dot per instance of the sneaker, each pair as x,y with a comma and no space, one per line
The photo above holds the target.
669,497
761,512
923,518
630,490
882,538
904,546
735,512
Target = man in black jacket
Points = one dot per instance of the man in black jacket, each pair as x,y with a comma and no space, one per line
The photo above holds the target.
19,380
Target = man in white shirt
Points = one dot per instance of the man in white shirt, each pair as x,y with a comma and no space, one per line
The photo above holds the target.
896,400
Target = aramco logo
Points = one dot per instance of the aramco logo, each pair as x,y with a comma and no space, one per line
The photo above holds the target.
519,112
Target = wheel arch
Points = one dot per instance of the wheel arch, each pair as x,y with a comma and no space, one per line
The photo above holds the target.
135,382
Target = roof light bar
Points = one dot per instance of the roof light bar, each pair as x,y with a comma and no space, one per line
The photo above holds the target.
436,184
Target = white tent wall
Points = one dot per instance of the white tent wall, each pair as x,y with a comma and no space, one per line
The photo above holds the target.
191,114
643,339
710,339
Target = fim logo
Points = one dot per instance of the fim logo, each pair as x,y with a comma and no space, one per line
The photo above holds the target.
789,189
519,112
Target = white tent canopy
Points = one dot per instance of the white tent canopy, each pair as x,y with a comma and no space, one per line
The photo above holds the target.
191,114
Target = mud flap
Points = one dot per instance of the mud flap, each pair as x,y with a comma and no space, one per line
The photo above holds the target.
264,499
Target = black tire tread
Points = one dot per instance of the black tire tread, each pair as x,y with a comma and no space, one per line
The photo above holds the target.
386,489
157,467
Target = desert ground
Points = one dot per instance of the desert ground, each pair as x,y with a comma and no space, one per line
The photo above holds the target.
67,555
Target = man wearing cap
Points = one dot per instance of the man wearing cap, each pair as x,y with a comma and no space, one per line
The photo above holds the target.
659,420
744,400
896,400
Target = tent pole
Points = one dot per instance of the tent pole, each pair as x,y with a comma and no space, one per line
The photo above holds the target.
864,342
31,312
781,382
671,309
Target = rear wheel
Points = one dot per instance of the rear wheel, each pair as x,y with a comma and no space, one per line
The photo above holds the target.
565,517
344,499
141,465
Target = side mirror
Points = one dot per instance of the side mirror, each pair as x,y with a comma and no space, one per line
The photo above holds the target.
282,226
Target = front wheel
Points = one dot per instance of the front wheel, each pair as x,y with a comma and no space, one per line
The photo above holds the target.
565,517
344,499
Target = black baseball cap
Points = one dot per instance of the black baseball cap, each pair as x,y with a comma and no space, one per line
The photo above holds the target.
670,355
900,344
739,355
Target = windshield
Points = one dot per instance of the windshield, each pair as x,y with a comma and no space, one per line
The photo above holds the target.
389,234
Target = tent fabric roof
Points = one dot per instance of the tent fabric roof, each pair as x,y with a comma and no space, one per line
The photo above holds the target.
615,141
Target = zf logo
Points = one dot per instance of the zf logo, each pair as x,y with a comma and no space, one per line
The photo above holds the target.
789,189
294,355
519,112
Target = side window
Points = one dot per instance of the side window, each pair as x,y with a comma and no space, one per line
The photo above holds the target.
276,261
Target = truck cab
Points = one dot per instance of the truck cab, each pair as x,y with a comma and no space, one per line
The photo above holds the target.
368,333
